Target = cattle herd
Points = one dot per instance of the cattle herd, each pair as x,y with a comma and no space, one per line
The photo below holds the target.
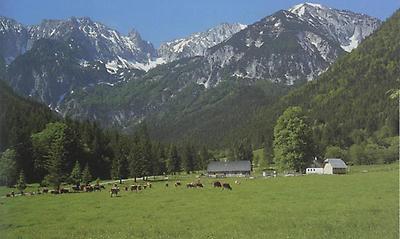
114,190
73,189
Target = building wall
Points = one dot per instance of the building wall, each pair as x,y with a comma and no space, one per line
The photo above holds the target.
339,171
328,169
314,171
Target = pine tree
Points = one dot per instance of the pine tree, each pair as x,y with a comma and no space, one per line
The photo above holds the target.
174,162
204,158
189,158
8,170
21,184
76,174
86,176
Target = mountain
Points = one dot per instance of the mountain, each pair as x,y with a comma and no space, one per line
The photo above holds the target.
51,69
198,43
353,27
95,40
288,46
13,39
193,98
352,102
98,41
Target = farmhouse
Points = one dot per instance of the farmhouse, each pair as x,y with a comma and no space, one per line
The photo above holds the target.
229,168
334,166
314,171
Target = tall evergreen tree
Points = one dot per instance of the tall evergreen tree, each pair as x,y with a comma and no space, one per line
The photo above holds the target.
204,158
21,184
8,167
189,158
174,161
76,174
86,175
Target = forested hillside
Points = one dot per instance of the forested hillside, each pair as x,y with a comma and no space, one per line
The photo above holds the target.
19,118
350,107
43,147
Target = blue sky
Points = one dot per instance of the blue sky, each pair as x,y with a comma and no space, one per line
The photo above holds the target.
163,20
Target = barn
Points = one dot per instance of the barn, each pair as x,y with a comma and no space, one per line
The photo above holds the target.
228,168
334,166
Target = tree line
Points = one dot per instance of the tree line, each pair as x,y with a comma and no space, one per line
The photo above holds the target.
71,152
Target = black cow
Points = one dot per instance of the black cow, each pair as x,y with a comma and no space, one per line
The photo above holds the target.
227,186
190,185
199,185
217,184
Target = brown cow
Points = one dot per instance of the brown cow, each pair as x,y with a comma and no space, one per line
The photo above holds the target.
217,184
114,191
64,190
134,187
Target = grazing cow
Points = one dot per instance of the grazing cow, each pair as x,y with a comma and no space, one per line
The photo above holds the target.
190,185
88,188
199,185
114,191
217,184
96,188
64,190
134,187
178,183
227,186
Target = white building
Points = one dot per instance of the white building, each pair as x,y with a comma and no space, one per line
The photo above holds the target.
314,171
334,166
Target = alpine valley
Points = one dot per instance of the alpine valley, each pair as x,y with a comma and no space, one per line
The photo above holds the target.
203,87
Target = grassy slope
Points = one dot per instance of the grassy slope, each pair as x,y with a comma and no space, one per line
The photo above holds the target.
358,205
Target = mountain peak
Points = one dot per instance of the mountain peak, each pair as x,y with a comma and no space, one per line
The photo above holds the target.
300,9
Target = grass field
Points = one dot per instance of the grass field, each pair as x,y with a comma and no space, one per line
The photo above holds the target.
362,204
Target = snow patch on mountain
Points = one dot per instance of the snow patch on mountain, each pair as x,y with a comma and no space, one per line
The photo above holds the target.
197,43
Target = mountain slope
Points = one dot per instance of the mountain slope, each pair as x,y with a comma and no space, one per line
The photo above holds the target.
97,40
13,39
51,69
282,48
352,99
197,44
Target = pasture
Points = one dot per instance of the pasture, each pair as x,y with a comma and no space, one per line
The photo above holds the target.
362,204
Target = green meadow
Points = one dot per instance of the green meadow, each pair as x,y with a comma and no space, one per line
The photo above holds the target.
361,204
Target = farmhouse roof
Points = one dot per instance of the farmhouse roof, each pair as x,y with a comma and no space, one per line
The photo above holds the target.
229,166
336,163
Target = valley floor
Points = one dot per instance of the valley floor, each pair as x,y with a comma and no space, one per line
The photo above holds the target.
362,204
